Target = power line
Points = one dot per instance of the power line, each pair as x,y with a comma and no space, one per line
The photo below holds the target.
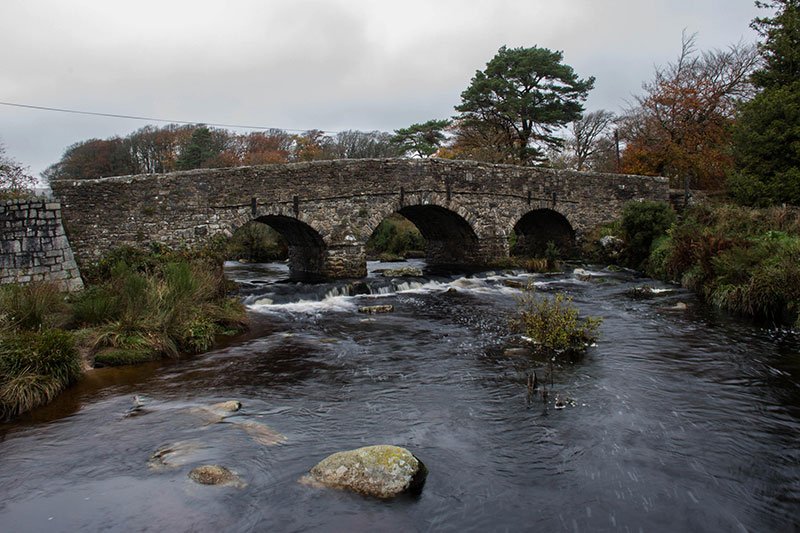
151,119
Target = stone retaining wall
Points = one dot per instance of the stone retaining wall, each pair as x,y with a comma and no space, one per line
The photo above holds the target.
33,246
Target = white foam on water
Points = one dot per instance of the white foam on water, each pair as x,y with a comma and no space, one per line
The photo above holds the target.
332,304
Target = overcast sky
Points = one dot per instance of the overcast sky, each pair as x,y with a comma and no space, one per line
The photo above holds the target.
302,64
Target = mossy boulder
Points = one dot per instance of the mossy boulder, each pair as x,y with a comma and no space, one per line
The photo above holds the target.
214,475
381,471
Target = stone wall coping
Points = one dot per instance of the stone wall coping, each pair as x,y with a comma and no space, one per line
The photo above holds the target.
303,165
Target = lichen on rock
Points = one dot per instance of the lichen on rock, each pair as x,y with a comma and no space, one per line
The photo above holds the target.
380,471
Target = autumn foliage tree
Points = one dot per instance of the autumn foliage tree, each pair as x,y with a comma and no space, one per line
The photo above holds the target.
680,127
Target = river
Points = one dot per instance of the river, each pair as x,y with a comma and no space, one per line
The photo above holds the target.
677,420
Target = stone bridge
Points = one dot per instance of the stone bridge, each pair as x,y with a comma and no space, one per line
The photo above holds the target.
327,210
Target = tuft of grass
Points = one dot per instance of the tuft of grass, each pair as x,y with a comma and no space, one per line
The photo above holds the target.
34,368
32,306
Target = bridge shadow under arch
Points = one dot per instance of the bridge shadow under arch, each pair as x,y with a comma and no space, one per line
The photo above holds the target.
450,238
306,248
539,227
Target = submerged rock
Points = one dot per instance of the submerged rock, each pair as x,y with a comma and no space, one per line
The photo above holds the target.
371,309
173,455
381,471
517,351
401,272
261,433
216,412
214,475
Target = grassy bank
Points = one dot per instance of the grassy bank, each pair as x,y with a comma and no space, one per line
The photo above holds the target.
138,306
743,260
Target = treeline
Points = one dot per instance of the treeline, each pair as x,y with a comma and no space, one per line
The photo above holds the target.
173,147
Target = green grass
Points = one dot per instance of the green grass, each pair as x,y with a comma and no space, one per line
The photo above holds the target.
32,306
171,308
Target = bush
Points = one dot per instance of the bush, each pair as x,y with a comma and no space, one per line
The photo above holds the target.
643,223
553,323
34,368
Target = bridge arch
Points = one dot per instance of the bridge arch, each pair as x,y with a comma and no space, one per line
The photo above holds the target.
449,233
307,249
535,229
450,238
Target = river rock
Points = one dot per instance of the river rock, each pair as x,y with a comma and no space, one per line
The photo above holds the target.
371,309
381,471
514,284
174,455
230,406
645,291
214,475
517,351
612,246
402,272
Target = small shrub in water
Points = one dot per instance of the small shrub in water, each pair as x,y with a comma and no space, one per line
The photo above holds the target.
553,323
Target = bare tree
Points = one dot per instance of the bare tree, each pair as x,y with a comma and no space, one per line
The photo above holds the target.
15,181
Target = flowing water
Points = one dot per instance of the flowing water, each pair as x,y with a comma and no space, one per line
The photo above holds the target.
677,420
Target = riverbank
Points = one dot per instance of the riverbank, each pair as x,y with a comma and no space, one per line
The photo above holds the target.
742,260
137,307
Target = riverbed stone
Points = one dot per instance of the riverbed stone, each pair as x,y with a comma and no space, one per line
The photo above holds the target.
381,471
372,309
402,272
214,475
231,406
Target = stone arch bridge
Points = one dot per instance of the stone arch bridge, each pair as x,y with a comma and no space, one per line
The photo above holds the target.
327,210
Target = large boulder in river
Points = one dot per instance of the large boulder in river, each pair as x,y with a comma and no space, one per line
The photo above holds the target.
380,471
